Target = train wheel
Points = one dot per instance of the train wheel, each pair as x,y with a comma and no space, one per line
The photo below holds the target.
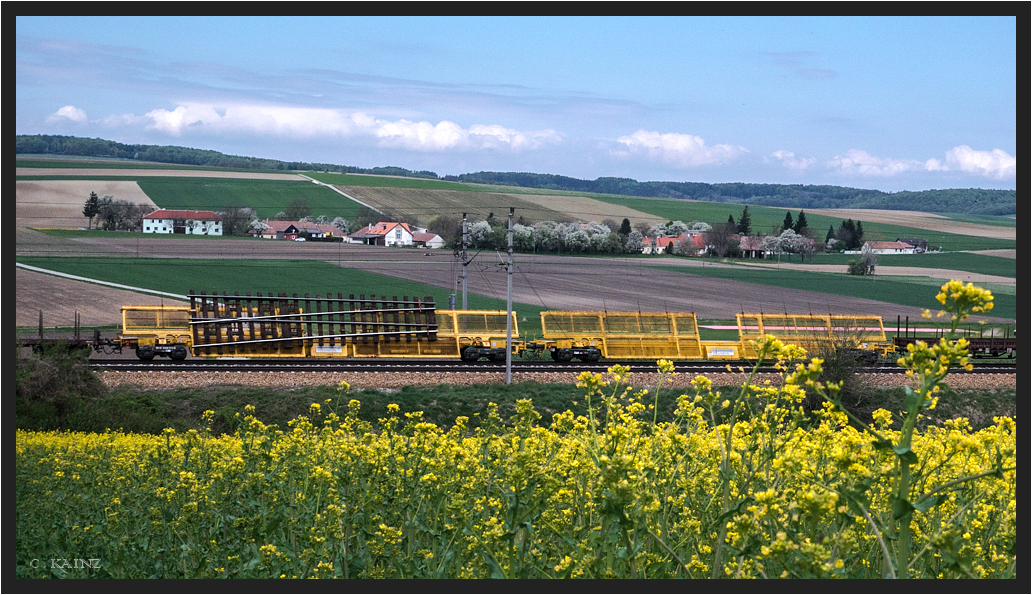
470,354
145,352
564,356
179,353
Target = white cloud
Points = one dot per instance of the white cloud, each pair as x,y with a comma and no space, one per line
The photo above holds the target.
996,164
682,150
789,160
992,164
865,164
315,122
495,134
68,112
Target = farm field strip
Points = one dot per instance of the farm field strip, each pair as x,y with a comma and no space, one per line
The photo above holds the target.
146,172
897,271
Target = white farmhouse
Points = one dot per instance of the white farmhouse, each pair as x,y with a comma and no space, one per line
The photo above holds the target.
183,222
384,233
897,247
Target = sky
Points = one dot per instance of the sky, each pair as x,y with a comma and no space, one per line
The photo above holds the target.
888,103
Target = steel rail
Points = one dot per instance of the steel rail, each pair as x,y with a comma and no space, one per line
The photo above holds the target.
295,317
438,365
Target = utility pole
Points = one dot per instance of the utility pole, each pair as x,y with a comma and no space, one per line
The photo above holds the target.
465,241
508,309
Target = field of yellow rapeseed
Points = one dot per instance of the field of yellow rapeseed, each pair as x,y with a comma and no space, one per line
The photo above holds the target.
747,486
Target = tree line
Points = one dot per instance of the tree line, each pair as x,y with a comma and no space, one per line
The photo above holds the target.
959,200
956,200
42,144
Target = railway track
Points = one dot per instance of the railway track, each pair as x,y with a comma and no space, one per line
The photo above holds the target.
398,366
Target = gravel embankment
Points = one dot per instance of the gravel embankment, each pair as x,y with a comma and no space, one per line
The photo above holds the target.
174,380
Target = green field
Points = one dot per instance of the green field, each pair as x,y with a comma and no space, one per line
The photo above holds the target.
267,197
960,261
892,291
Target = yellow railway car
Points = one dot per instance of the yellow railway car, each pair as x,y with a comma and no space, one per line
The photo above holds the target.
223,326
591,335
816,332
156,330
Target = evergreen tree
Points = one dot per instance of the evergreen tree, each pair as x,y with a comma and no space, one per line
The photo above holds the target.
731,221
625,227
858,236
800,223
745,222
92,208
831,234
788,224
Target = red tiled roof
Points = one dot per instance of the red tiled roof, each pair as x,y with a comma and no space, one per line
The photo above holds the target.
194,215
282,226
889,245
380,229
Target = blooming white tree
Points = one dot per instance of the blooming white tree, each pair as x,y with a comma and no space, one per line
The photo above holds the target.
545,237
341,224
479,233
577,240
522,238
257,228
633,243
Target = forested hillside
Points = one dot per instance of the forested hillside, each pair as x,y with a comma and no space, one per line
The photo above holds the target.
967,200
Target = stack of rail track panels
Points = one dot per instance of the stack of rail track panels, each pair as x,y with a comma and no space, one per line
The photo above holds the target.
236,325
277,325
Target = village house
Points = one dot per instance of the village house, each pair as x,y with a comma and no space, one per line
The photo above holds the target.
384,233
183,222
427,239
667,244
752,246
889,247
919,244
292,230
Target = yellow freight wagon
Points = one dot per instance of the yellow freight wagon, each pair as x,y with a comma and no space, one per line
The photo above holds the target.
156,330
589,336
815,332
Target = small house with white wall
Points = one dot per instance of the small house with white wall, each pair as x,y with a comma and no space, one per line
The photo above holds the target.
889,247
427,239
384,233
183,222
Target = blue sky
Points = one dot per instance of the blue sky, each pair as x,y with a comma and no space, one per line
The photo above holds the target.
888,103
